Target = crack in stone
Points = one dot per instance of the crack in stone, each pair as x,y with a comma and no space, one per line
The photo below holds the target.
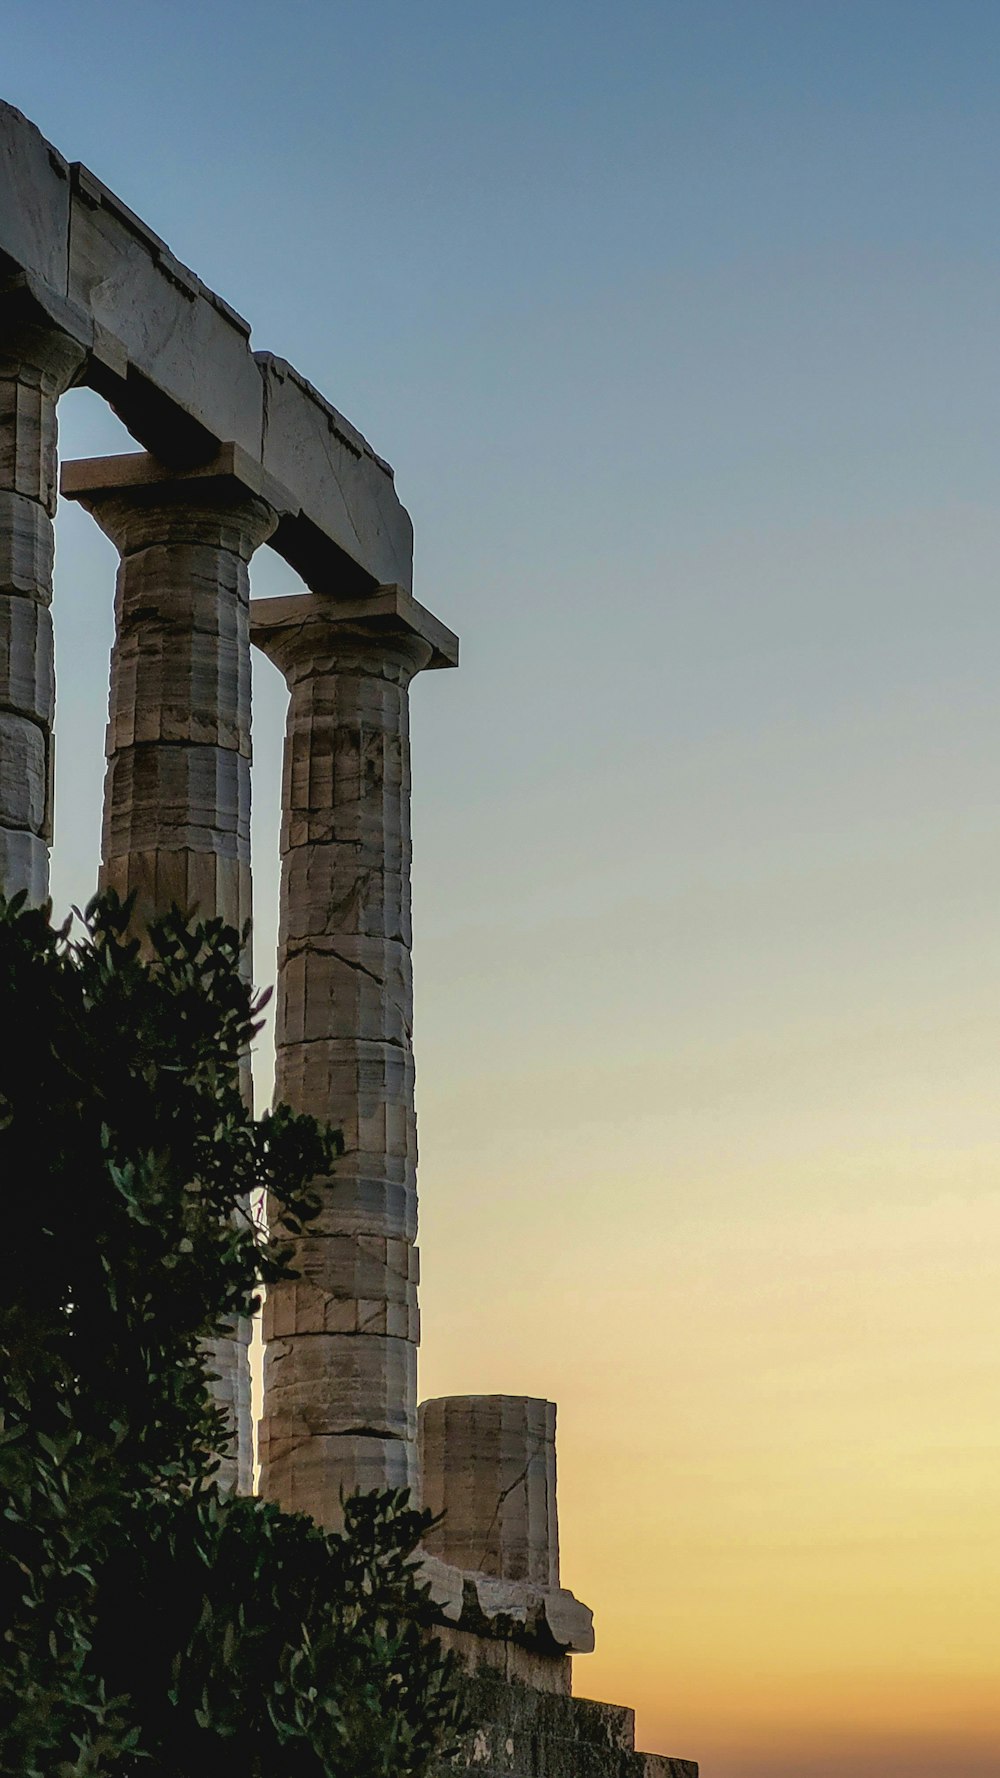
506,1492
309,947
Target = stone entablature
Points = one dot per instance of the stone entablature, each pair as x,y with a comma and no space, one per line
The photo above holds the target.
239,452
175,361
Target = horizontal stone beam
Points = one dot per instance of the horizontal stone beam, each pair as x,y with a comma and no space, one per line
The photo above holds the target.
175,361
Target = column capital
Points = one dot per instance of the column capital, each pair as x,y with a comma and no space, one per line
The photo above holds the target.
309,633
137,500
41,334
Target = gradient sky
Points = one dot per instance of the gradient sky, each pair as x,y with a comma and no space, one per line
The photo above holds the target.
678,322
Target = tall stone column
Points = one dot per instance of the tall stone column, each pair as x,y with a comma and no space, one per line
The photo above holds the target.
341,1338
177,790
37,364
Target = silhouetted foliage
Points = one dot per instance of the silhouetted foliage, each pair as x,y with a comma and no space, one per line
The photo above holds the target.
149,1624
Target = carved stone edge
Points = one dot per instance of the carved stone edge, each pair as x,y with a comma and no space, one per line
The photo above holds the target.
553,1620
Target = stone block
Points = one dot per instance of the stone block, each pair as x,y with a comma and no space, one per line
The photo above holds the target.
365,1089
26,547
310,1475
327,993
27,665
336,888
345,490
183,339
333,1383
181,662
162,877
346,1284
525,1731
195,797
24,864
34,200
360,1200
23,774
27,432
514,1662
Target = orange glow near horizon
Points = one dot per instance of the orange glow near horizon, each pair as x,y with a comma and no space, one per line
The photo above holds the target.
777,1448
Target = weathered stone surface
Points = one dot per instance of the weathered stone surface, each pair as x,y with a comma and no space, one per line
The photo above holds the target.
355,986
174,331
345,491
175,360
34,188
36,364
177,794
331,1383
550,1621
27,666
306,1475
349,1286
517,1662
23,773
364,1203
366,1089
24,862
26,547
346,1330
161,878
488,1465
525,1732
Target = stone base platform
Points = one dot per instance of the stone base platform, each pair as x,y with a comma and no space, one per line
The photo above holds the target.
526,1733
515,1642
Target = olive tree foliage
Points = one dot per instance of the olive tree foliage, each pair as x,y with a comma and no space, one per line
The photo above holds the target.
148,1623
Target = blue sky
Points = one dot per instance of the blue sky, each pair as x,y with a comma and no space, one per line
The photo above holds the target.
678,323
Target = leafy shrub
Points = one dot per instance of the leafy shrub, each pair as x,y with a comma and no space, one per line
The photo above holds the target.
149,1623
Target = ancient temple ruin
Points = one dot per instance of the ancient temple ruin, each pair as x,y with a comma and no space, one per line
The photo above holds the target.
239,451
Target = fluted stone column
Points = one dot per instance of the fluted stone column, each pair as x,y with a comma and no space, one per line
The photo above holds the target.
488,1464
341,1339
37,364
177,790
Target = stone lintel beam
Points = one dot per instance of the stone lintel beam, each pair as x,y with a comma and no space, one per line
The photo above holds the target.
175,361
297,623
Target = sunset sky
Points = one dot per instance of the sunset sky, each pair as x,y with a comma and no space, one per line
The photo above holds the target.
679,322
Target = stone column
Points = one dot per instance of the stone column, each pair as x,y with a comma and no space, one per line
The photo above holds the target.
177,790
37,364
341,1339
488,1463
